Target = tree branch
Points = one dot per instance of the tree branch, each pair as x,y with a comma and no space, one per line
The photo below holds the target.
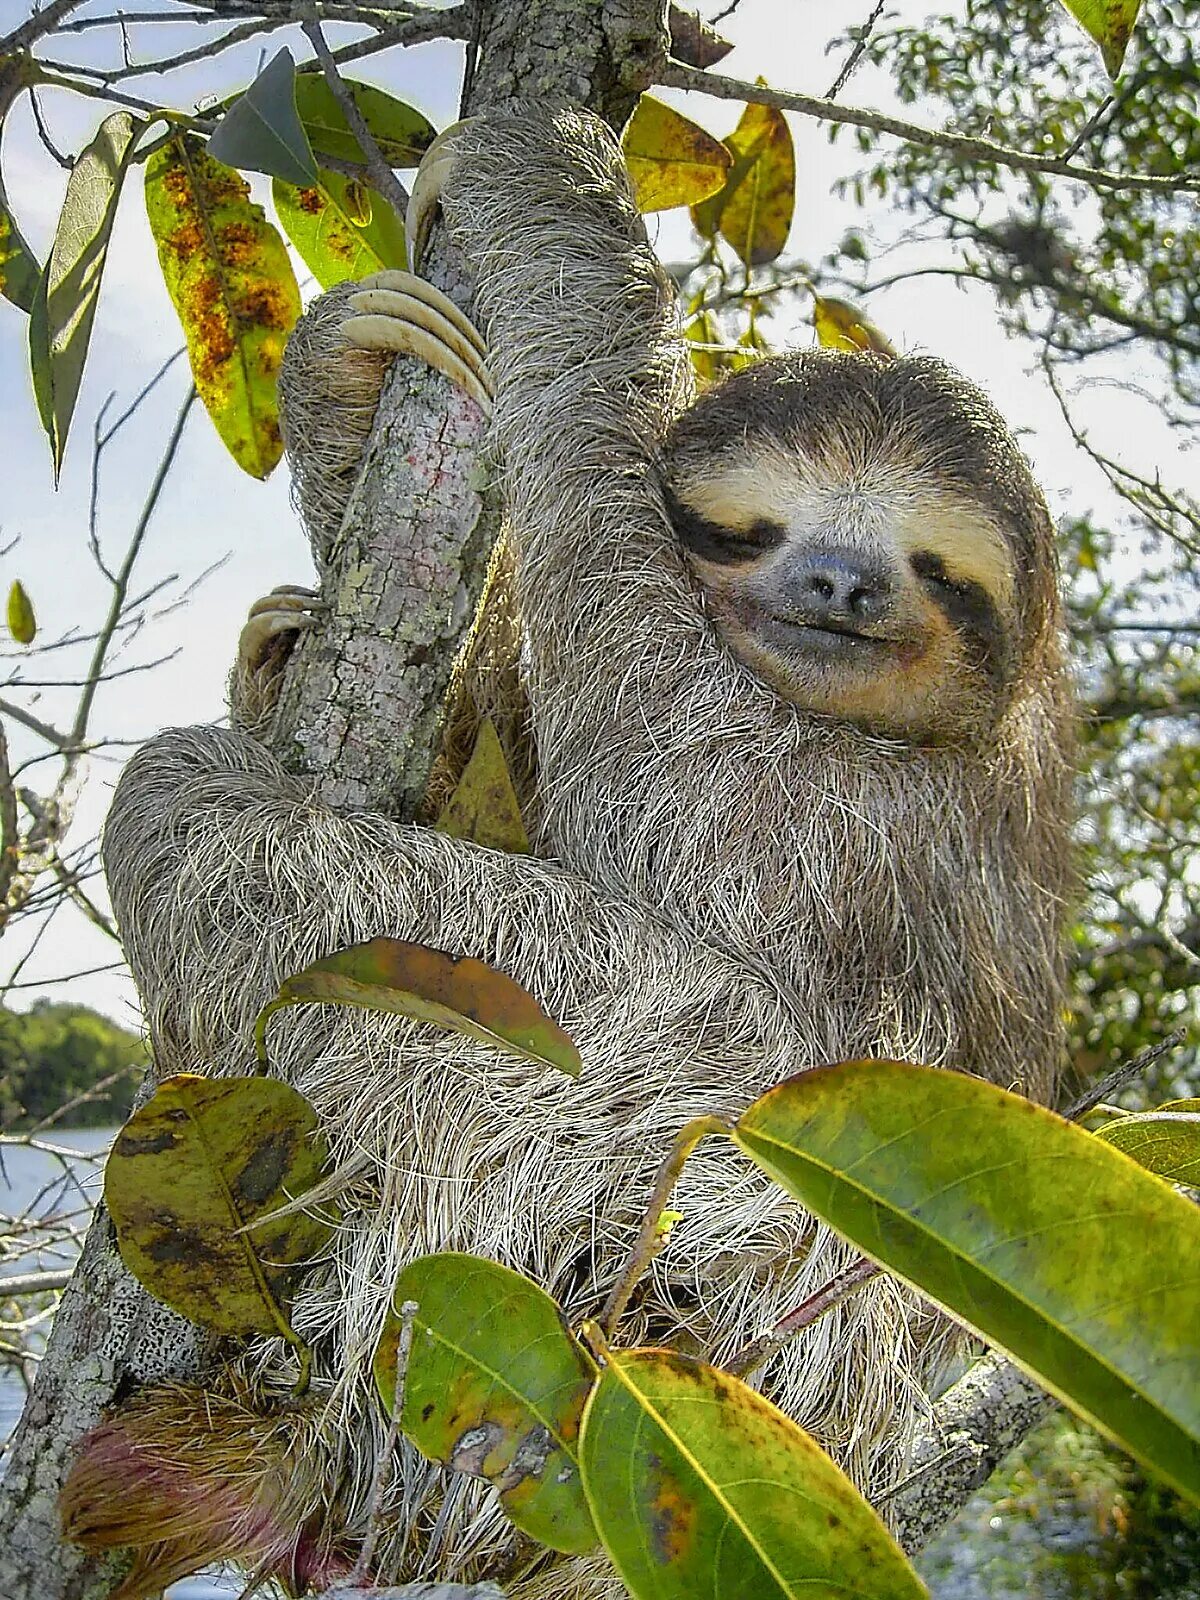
676,76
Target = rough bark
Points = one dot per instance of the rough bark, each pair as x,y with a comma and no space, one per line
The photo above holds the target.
358,715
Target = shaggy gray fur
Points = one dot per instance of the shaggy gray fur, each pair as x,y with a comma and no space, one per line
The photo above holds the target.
730,890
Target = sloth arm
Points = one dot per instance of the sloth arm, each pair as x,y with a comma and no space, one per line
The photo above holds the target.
589,369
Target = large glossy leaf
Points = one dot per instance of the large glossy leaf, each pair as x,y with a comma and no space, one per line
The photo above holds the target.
483,807
340,228
64,304
702,1490
262,131
495,1387
228,273
1110,23
414,980
1038,1235
19,270
1162,1141
189,1171
401,132
672,161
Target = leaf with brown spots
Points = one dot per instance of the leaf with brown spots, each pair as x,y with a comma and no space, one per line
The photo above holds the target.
190,1172
672,161
495,1387
700,1490
228,274
483,807
415,980
340,229
1036,1234
753,211
1110,23
401,132
64,302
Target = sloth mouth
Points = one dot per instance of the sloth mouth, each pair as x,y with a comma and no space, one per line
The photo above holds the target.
825,638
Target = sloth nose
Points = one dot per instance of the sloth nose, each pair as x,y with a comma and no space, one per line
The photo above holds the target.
839,586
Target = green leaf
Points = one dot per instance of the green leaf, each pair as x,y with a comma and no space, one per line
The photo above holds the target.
495,1387
199,1162
483,807
340,228
401,132
760,196
22,623
64,304
1162,1141
414,980
1036,1234
19,270
672,161
262,131
702,1490
1110,23
228,274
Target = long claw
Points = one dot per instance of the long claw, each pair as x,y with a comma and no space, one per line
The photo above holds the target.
402,313
435,168
285,611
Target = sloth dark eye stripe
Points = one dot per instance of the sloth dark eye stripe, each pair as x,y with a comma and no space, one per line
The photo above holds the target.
969,608
713,542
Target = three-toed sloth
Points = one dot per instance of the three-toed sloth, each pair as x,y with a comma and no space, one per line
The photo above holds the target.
802,734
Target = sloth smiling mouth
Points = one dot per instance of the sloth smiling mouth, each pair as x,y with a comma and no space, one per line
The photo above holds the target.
827,638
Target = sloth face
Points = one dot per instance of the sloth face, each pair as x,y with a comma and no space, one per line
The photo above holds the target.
847,563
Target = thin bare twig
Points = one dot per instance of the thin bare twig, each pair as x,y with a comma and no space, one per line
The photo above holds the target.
43,134
857,53
385,179
760,1350
676,76
362,1566
1122,1075
42,22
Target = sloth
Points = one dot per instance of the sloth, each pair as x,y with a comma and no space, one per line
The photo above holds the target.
802,736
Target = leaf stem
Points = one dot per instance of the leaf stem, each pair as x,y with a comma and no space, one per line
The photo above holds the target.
647,1244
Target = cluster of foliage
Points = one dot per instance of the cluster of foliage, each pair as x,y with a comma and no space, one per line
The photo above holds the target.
679,1470
55,1054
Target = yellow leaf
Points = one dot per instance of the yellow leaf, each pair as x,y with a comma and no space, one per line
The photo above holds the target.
22,623
841,326
483,808
753,212
672,161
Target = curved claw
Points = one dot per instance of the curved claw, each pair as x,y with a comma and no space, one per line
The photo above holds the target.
284,612
399,312
436,166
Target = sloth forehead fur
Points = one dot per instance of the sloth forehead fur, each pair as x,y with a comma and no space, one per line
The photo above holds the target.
868,538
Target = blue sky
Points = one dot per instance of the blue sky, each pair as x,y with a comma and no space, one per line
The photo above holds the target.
211,510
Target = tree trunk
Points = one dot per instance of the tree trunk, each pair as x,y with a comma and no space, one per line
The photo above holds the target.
359,715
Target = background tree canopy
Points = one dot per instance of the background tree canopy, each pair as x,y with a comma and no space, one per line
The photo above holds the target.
54,1053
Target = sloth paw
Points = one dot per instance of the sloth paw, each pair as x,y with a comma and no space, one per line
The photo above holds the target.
399,312
433,174
272,628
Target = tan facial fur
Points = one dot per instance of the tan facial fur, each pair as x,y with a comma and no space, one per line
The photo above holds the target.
910,672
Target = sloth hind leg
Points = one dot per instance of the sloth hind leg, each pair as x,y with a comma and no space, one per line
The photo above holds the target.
398,312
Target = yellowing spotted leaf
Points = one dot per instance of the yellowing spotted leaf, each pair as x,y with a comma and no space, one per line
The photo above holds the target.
1110,23
672,161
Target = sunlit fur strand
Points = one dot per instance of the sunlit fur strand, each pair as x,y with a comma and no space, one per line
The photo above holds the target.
745,891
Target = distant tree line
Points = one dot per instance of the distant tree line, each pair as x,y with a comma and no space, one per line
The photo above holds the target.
55,1054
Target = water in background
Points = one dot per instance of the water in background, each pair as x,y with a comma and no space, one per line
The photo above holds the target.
65,1186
